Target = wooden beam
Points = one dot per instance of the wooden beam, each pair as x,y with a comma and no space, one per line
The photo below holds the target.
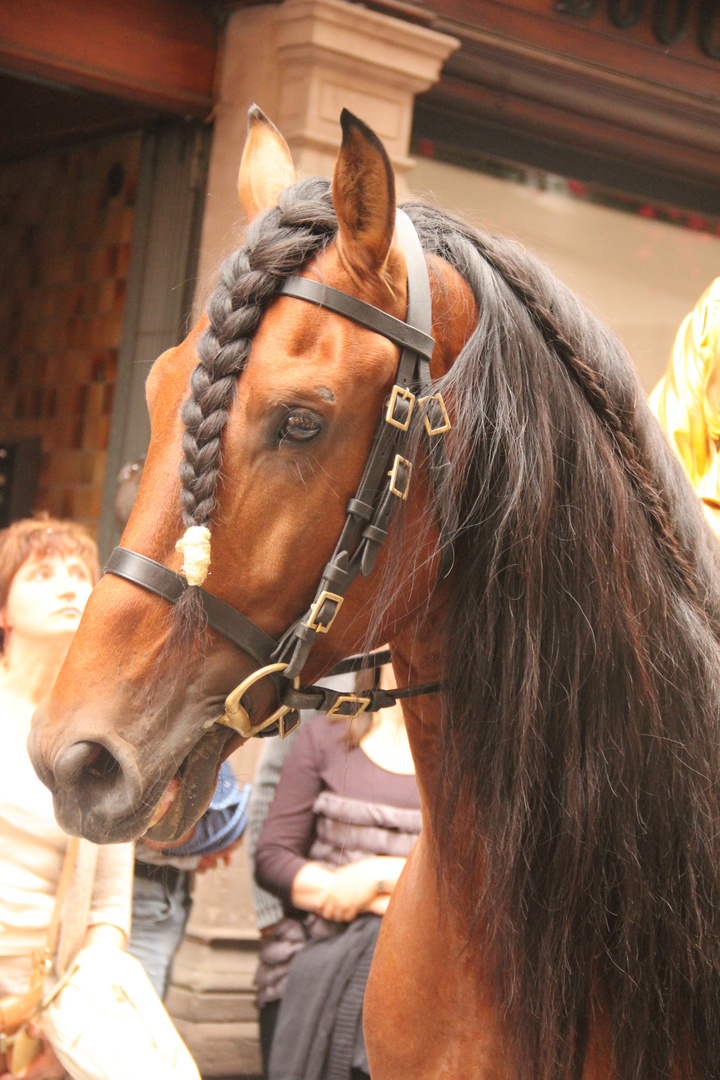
541,69
591,40
604,108
160,53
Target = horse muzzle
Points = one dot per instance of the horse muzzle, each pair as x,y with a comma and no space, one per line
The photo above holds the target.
105,790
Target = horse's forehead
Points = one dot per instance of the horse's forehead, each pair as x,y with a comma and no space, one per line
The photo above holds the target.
300,343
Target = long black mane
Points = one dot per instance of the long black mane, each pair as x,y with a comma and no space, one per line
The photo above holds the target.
580,745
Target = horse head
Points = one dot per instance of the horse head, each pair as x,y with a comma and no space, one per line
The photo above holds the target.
568,771
262,422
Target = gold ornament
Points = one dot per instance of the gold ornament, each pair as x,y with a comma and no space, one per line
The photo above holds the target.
686,401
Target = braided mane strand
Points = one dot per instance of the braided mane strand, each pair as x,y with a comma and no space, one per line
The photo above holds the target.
279,242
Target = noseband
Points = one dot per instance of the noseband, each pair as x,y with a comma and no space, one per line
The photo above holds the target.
385,482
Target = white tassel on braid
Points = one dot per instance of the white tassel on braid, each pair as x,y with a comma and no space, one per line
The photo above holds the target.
194,546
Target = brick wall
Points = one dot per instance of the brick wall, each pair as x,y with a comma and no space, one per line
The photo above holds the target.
65,230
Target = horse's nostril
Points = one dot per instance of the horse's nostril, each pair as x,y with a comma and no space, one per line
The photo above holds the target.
72,762
94,785
88,761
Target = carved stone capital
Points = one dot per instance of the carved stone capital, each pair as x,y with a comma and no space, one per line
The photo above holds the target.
335,54
302,62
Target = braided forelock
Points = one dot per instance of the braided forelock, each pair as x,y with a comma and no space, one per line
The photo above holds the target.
279,242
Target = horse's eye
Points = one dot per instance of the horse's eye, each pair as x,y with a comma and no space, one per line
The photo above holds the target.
299,426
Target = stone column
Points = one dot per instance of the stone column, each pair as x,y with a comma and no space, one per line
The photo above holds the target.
336,55
302,61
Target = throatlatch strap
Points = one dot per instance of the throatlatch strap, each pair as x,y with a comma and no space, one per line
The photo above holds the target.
341,703
155,577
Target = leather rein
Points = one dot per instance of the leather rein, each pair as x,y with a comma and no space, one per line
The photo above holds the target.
385,483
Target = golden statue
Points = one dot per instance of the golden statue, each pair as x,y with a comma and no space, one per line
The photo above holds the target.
686,401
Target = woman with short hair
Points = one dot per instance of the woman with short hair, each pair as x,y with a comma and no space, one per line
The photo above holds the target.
47,571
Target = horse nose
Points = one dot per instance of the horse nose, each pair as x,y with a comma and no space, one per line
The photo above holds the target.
108,783
71,764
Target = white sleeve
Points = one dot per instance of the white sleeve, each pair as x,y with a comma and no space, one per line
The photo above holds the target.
112,888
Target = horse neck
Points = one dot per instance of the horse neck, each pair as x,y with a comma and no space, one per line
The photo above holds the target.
418,658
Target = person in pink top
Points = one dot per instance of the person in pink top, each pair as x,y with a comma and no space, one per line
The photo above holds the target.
345,814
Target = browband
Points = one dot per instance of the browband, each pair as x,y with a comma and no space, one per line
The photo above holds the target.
372,318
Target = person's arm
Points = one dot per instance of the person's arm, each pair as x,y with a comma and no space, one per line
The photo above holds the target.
345,893
289,827
273,755
109,919
105,934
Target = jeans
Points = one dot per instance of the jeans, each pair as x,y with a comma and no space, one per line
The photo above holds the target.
160,908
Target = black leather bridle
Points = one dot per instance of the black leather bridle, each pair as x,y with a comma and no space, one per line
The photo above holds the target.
385,482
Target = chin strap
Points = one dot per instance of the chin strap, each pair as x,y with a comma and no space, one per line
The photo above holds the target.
296,698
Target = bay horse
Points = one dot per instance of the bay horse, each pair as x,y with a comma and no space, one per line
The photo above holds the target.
549,591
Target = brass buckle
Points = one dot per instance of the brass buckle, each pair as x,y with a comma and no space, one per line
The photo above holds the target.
284,731
361,704
446,425
406,395
236,717
393,474
312,623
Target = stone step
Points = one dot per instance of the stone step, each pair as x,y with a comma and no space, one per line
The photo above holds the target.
221,966
219,1049
224,1007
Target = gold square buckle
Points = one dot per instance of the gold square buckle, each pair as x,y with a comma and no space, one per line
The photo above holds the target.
446,425
319,626
404,395
360,705
286,727
400,462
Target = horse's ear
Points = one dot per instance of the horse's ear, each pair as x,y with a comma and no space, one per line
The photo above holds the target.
266,168
363,194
